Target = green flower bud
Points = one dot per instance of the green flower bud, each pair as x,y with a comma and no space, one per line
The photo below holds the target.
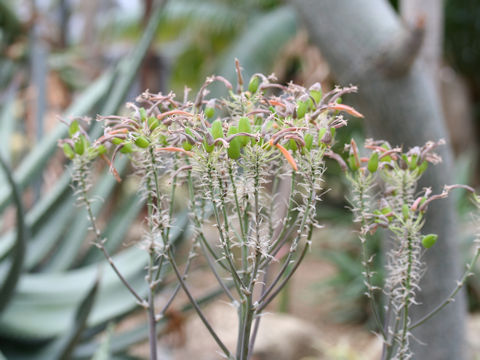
187,146
403,162
321,134
412,165
388,157
244,126
233,150
302,107
117,141
79,146
101,149
162,139
127,148
310,104
209,112
142,142
292,145
423,166
143,114
152,123
429,240
372,164
73,128
316,95
308,141
352,163
217,130
68,151
208,148
253,84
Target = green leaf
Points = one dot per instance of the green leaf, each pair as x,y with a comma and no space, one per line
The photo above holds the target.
44,303
44,239
12,276
63,347
103,352
36,160
7,125
115,83
46,222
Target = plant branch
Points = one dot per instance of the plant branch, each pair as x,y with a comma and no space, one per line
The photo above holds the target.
196,306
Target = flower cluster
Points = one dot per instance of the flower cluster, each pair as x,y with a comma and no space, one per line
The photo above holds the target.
232,155
384,194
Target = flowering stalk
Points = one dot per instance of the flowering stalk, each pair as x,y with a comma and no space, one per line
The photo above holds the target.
230,166
398,208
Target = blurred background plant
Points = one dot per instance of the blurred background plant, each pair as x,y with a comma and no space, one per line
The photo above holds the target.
74,58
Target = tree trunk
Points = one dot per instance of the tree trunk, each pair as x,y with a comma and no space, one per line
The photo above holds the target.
431,12
367,45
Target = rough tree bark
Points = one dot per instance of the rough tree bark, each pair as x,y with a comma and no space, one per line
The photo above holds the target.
366,44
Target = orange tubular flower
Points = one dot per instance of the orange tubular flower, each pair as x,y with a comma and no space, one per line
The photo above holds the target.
287,155
276,103
173,112
118,131
348,109
174,149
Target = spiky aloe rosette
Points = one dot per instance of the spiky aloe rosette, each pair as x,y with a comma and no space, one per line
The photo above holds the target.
231,154
384,194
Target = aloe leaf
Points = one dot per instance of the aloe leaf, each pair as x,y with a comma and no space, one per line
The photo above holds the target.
81,318
46,222
7,125
7,242
15,267
36,160
103,352
127,69
63,347
44,239
42,209
44,302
